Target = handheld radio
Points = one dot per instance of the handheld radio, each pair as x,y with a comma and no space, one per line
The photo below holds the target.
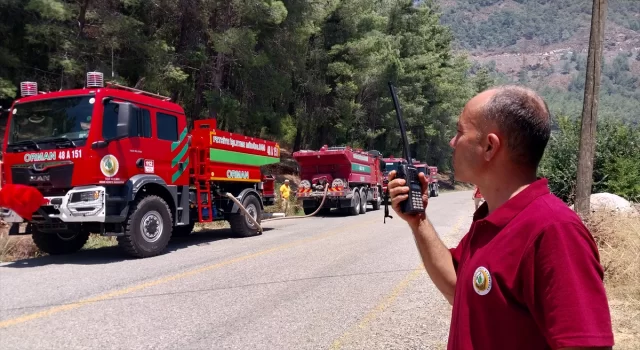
408,172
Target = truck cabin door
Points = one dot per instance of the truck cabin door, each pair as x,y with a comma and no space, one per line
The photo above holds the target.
126,128
172,151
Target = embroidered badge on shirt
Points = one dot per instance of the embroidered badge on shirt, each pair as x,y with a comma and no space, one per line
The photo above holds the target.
482,281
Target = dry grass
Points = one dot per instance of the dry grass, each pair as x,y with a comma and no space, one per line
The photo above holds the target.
295,206
208,226
618,239
97,241
17,248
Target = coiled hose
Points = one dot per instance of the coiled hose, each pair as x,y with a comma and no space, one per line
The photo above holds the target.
255,222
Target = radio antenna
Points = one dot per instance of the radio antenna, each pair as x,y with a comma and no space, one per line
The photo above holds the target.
403,133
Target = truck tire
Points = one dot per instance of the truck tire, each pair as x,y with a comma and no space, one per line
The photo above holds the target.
437,189
377,202
183,231
309,210
241,225
433,190
59,243
363,200
355,209
148,227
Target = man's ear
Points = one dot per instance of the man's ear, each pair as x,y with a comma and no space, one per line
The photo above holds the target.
492,146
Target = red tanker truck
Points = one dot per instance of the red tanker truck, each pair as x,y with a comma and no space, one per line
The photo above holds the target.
354,178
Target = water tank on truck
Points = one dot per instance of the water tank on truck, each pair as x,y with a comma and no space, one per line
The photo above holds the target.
354,178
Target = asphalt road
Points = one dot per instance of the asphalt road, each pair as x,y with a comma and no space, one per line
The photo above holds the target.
317,283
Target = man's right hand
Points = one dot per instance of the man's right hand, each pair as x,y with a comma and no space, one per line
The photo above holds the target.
398,192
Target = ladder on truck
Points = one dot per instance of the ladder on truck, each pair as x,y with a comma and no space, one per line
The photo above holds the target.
202,181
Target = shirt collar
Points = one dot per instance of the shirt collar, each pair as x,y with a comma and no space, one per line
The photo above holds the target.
514,206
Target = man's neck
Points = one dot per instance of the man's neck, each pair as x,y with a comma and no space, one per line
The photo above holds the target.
500,189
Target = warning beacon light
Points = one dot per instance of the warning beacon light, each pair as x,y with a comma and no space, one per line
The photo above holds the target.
95,79
28,88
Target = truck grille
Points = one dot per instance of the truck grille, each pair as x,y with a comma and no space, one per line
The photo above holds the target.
53,180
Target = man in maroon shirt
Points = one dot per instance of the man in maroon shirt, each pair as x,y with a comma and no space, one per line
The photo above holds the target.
527,274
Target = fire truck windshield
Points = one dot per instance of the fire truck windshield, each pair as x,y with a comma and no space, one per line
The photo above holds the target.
66,118
389,167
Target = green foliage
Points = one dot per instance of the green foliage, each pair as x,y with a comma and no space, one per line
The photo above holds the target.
7,89
482,80
305,73
615,168
624,179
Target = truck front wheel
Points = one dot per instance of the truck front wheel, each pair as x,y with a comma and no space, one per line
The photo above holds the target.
60,243
148,227
242,225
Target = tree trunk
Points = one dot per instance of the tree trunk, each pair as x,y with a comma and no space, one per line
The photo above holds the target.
590,109
82,18
188,9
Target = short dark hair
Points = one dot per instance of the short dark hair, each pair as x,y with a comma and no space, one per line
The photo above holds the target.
523,117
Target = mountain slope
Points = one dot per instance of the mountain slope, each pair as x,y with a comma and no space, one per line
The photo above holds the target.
501,26
544,43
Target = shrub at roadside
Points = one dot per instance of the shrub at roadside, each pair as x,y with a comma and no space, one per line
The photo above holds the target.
615,167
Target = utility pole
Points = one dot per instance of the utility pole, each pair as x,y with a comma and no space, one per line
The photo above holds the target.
590,109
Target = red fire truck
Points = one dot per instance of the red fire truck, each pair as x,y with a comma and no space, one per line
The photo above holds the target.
430,172
354,178
390,164
121,162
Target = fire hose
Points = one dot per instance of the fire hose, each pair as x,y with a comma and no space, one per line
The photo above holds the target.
255,222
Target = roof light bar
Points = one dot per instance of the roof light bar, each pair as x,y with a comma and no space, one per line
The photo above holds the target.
95,79
28,88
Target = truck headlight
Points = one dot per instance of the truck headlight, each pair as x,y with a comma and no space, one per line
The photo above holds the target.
86,196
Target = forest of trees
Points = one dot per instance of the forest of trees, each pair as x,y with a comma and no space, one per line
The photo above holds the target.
303,72
309,72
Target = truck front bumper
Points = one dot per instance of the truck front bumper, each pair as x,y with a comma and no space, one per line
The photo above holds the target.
80,204
335,199
330,194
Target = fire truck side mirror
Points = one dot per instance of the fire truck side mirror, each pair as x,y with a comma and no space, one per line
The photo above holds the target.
127,115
